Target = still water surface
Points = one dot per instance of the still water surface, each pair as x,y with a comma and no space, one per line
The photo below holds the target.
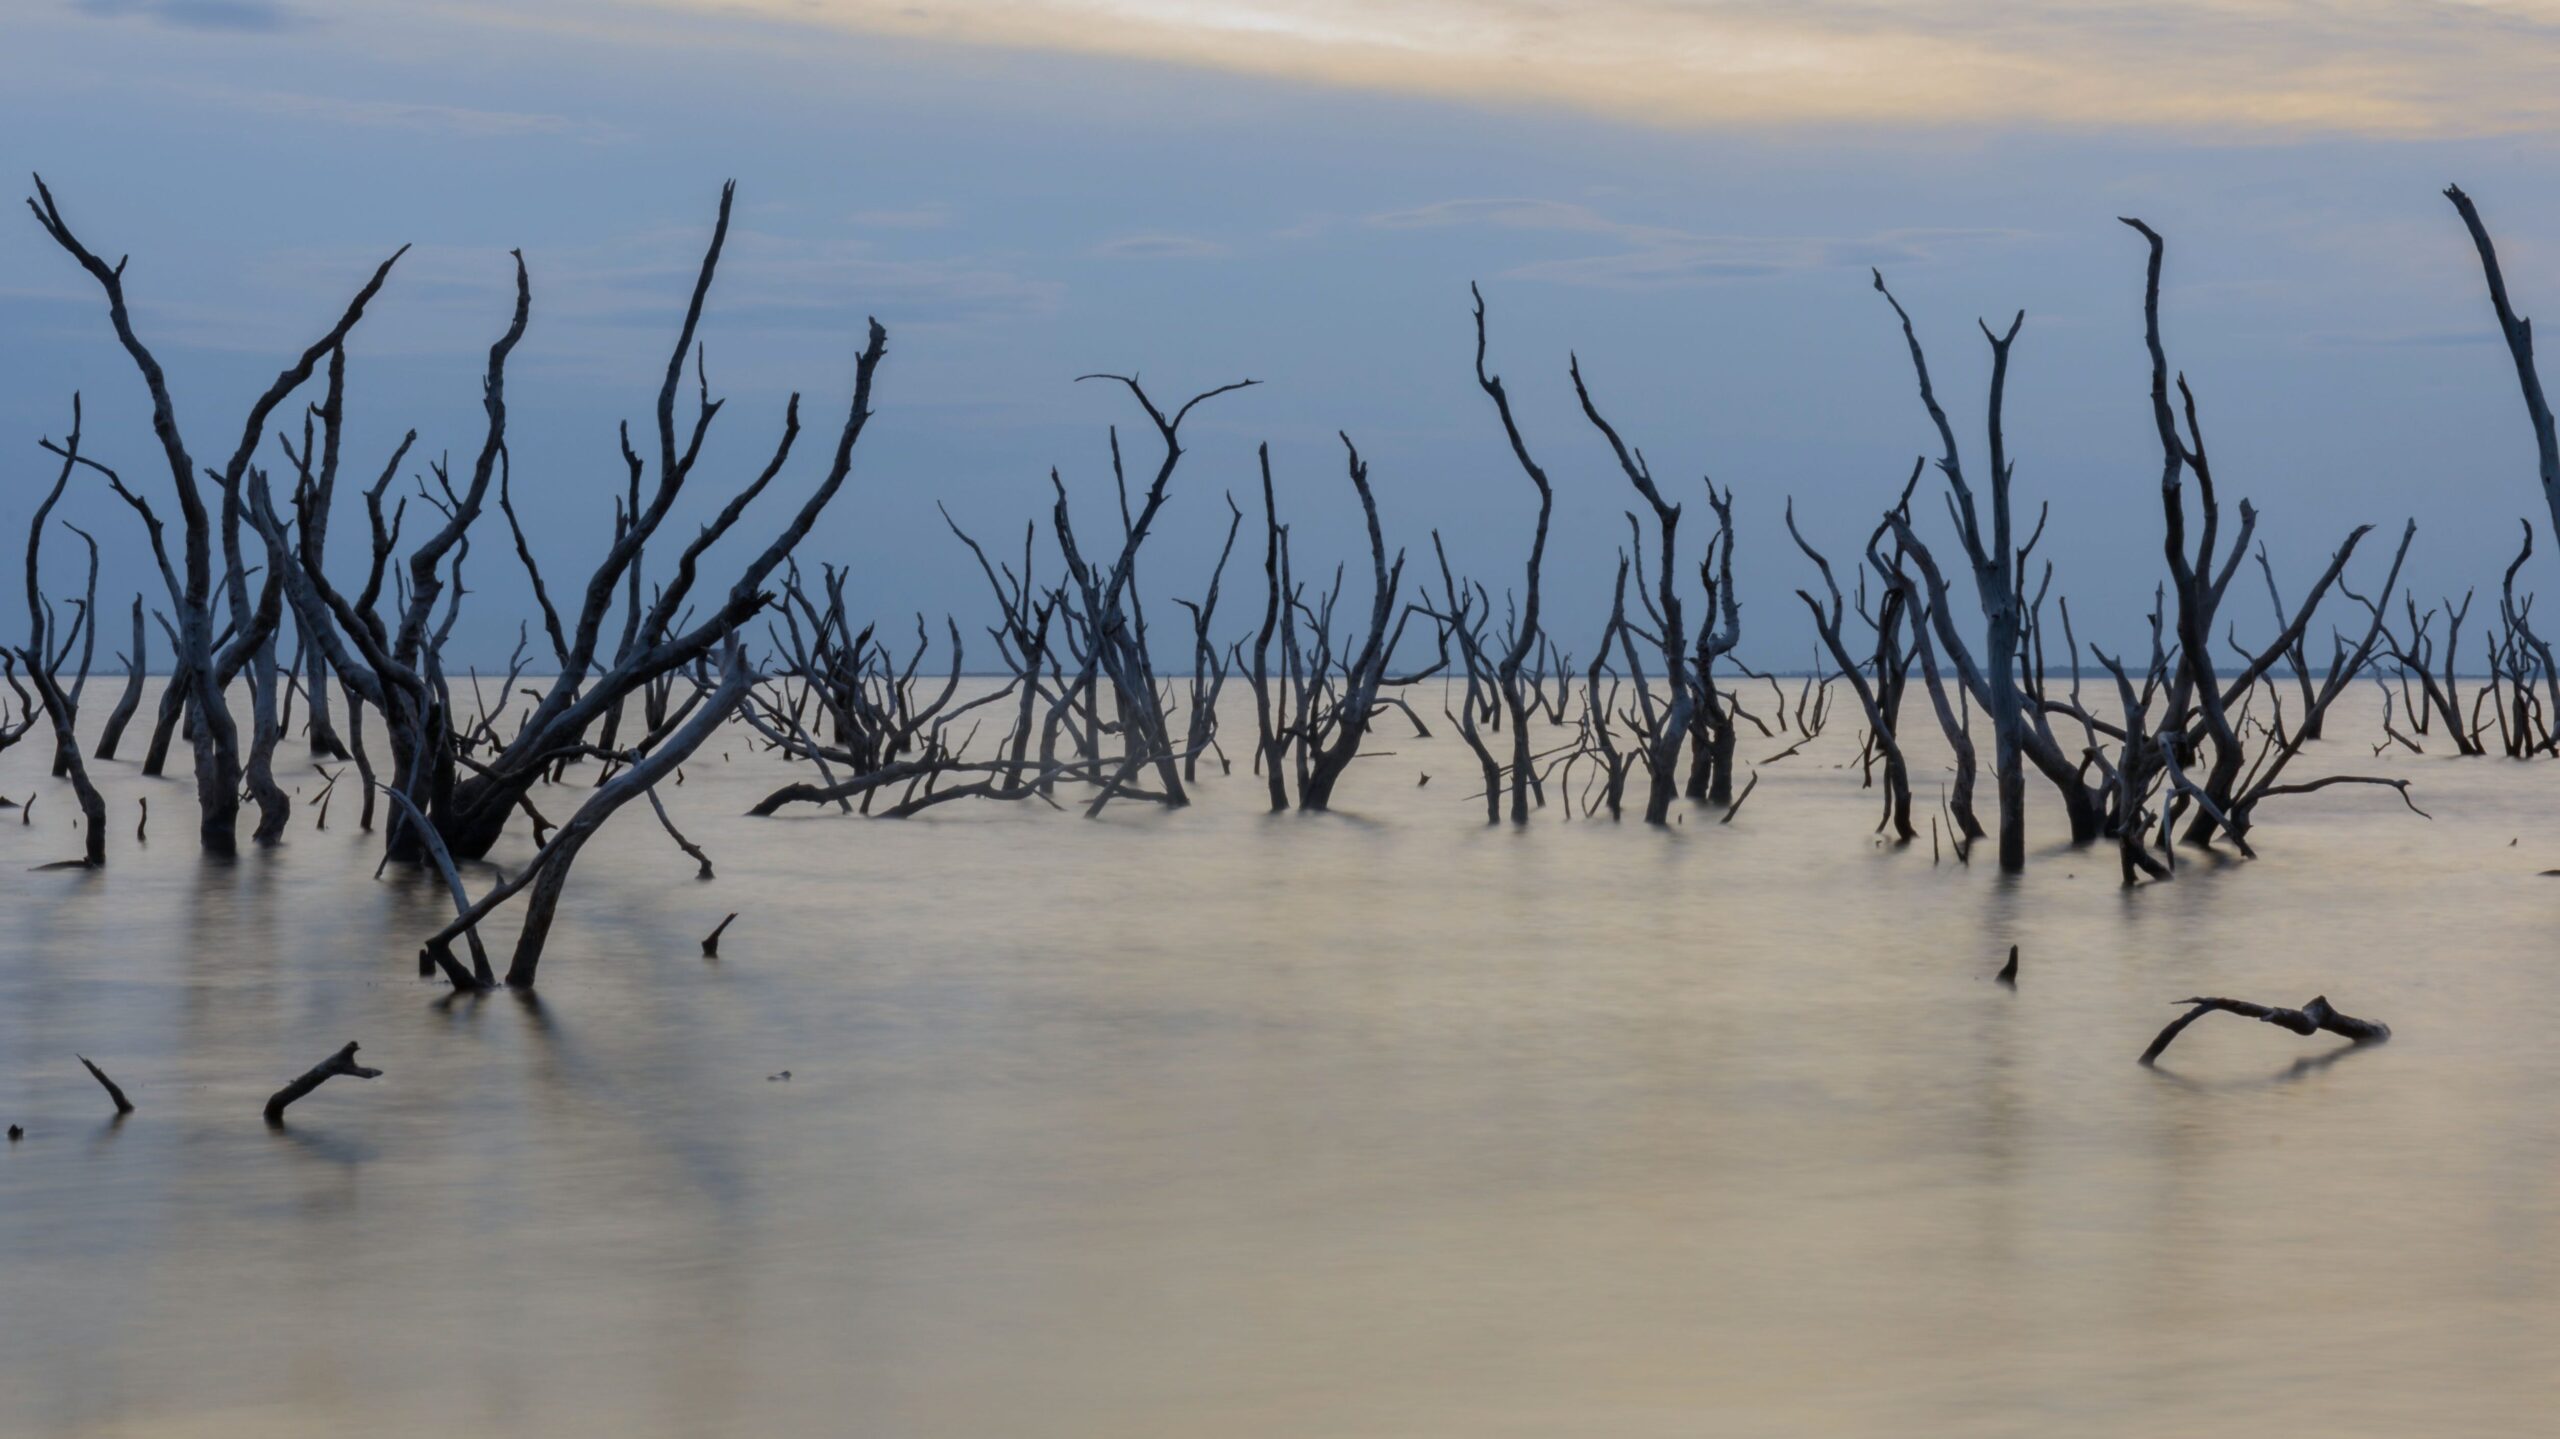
1219,1124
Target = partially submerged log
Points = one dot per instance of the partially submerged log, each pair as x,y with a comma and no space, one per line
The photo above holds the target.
2315,1015
2008,975
342,1062
123,1105
711,941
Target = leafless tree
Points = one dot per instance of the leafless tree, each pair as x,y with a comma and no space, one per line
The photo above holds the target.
42,658
203,669
136,664
1689,721
1312,717
1516,679
1877,683
396,666
1109,617
1992,554
2518,333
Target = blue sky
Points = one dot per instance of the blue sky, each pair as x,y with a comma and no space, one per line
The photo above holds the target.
1687,194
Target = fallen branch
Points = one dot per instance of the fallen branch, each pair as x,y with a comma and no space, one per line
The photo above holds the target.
123,1105
2311,1018
438,951
342,1062
1738,799
692,850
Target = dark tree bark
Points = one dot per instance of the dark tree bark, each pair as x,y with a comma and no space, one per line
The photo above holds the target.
2314,1016
342,1062
1512,674
216,738
2518,332
1993,558
136,665
61,707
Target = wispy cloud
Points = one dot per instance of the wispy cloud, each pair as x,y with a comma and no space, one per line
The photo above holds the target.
1159,247
2378,67
604,310
1654,256
246,17
933,216
2406,340
448,120
608,306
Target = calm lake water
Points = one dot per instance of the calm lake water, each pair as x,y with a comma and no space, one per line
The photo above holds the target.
1218,1124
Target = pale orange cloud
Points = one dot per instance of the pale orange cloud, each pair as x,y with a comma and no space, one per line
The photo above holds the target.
2415,68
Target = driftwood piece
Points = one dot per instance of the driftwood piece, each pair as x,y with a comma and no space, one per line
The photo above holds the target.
342,1062
692,851
2315,1015
123,1105
711,941
1738,799
2008,975
438,951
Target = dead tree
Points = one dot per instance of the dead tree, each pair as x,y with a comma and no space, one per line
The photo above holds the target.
2143,757
1515,679
1597,740
1993,558
909,758
203,671
1879,698
1312,718
1713,733
1463,616
881,734
2201,702
1208,661
42,661
136,666
2524,654
870,707
1678,727
2432,660
1272,740
2518,333
1111,618
1904,594
83,633
396,667
547,875
311,536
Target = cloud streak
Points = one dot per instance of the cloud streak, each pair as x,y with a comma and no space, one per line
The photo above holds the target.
239,17
2406,68
453,121
1159,247
1660,256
